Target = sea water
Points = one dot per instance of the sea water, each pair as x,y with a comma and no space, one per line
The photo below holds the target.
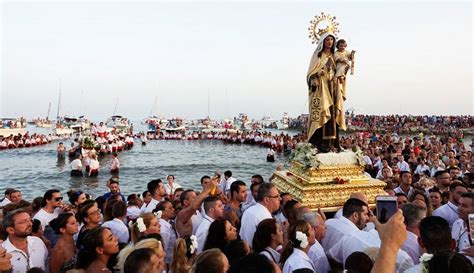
34,170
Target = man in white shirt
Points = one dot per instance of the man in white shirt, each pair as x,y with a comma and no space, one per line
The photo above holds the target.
405,184
171,186
189,218
435,237
76,166
16,196
355,216
449,211
460,231
413,215
52,202
252,193
227,181
316,252
422,167
268,201
157,191
6,200
27,251
213,210
348,235
117,225
167,230
402,164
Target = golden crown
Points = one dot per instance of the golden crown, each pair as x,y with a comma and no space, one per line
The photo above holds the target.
331,26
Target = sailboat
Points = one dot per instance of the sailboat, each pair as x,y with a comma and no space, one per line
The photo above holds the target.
118,122
153,121
69,124
45,123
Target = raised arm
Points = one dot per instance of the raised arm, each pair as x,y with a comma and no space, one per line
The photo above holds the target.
185,214
392,234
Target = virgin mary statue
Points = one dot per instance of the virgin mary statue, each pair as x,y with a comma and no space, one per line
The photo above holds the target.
326,112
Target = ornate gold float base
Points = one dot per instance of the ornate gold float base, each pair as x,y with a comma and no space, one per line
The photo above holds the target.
317,187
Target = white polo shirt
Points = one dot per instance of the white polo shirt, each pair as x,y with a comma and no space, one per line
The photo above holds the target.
250,220
37,255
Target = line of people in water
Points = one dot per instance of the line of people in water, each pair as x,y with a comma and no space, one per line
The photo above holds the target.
27,140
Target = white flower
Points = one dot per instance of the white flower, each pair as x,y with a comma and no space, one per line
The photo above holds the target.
141,225
158,214
194,244
425,257
300,236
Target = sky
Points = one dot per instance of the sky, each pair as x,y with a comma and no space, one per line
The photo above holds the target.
227,57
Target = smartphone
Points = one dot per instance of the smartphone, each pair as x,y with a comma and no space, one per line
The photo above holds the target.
386,206
471,226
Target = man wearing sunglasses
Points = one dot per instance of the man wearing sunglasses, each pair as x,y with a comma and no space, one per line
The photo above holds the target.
52,203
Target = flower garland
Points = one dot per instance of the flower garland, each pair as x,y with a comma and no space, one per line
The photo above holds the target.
300,236
305,153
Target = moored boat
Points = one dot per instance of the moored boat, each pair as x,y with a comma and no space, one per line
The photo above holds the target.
12,126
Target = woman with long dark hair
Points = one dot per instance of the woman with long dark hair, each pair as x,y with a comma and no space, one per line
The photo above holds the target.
98,245
63,255
267,238
220,233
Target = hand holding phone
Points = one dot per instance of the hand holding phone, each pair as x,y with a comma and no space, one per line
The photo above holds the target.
386,206
471,226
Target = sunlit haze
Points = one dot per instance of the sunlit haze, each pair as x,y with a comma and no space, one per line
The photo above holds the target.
224,58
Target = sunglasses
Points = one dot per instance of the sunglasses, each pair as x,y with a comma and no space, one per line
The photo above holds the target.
57,199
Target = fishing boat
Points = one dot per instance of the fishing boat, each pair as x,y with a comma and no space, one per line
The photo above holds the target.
12,126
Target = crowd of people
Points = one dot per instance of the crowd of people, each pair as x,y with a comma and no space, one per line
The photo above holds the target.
400,124
233,226
227,226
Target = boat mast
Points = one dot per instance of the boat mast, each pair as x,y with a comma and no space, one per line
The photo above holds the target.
153,108
115,108
208,105
49,109
59,102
